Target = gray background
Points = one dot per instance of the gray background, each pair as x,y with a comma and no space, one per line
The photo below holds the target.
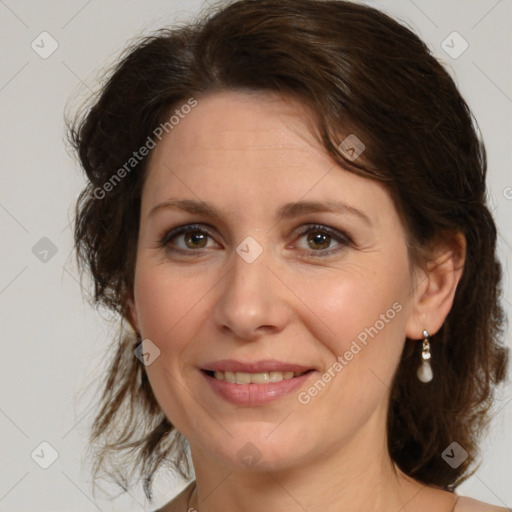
53,344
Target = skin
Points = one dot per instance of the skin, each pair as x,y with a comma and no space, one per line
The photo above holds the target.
247,154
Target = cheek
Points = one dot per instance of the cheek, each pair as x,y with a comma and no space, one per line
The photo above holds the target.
365,317
361,316
166,304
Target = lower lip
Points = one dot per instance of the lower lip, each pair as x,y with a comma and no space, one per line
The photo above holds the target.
255,394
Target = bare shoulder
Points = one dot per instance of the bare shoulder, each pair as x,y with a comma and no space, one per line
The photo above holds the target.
465,504
180,502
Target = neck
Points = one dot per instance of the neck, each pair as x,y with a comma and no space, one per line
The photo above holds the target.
355,477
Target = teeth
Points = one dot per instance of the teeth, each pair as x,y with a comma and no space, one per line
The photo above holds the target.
255,378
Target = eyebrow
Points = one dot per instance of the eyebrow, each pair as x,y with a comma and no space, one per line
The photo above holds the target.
287,211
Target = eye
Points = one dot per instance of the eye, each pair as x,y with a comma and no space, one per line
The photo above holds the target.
320,238
187,239
193,238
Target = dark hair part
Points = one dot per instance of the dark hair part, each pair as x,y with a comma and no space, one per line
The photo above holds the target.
360,72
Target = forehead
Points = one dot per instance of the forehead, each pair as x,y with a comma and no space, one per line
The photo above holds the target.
238,121
259,148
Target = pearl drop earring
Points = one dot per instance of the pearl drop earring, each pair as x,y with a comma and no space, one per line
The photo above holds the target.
424,372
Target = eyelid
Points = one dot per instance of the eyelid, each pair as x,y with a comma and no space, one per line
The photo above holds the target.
341,237
179,230
335,233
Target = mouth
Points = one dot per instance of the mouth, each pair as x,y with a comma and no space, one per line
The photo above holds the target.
254,378
255,383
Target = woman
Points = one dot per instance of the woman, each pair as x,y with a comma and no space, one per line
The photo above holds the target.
286,205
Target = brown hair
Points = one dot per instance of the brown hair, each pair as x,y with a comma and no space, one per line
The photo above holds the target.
360,72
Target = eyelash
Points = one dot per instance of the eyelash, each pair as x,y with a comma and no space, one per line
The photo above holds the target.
342,238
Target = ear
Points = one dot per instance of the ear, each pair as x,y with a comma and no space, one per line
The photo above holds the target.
436,283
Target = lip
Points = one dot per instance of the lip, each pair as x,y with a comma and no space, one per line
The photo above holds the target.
266,365
255,394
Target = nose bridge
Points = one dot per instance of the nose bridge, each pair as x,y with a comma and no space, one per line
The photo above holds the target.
249,299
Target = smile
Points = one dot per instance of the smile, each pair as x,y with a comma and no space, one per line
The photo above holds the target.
254,383
254,378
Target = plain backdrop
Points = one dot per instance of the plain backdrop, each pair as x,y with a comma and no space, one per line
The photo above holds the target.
52,341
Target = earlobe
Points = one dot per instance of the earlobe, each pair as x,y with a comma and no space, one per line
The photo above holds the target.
435,295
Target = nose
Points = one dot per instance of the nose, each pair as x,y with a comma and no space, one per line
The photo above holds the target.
252,300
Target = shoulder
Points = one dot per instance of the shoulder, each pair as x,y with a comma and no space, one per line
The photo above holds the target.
465,504
180,502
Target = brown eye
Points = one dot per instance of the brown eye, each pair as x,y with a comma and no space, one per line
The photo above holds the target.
318,240
187,239
195,239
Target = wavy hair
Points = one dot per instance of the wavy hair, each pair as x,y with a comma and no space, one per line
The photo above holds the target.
360,72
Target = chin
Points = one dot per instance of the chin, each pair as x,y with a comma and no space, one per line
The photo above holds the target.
260,449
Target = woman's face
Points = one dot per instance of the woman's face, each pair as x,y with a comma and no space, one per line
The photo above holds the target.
288,263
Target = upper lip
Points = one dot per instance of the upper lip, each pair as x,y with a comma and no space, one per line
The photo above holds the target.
262,366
